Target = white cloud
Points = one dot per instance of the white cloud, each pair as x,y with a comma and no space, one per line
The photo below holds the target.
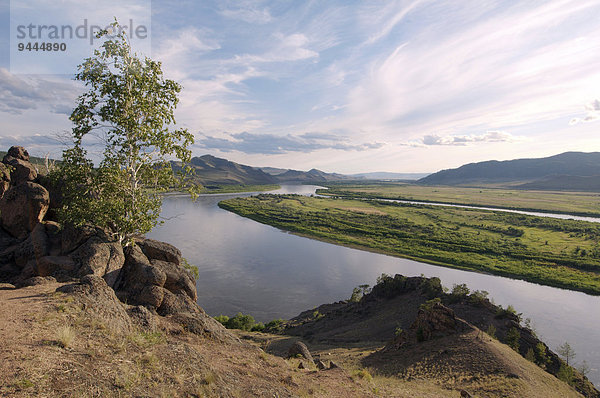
248,13
592,113
490,136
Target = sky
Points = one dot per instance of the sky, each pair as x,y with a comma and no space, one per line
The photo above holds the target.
346,86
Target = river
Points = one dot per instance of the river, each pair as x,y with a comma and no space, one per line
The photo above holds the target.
248,267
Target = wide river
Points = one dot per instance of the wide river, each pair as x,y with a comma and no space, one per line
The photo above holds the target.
260,270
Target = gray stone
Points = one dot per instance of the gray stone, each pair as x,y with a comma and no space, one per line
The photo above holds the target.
22,207
299,348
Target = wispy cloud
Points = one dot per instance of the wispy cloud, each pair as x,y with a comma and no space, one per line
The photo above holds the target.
490,136
19,94
248,12
592,113
276,144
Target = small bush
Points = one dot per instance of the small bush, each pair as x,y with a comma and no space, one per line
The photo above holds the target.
512,338
491,331
192,268
240,321
275,326
223,319
258,327
565,373
65,336
363,374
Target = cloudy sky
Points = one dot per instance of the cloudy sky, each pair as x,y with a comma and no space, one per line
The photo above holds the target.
353,86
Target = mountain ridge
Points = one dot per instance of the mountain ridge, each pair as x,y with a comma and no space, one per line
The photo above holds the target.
581,164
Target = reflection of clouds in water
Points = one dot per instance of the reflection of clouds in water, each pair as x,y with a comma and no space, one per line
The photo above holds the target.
254,268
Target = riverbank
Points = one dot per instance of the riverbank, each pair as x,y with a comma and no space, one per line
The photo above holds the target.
561,253
583,204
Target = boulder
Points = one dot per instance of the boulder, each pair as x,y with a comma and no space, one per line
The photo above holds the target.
16,152
39,241
176,303
179,279
321,365
299,348
22,207
203,325
156,250
55,265
22,171
100,257
39,280
72,237
98,299
150,296
4,179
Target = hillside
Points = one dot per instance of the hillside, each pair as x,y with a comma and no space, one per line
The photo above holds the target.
524,170
212,171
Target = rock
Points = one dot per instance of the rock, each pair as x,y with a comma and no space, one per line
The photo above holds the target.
204,325
38,280
16,152
333,365
434,320
55,265
72,237
142,317
299,348
22,253
301,365
321,365
22,207
100,257
156,250
464,394
176,303
98,299
22,171
151,296
179,279
39,241
4,179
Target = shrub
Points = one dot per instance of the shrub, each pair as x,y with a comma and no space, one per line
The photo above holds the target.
512,338
240,321
65,336
491,331
275,326
223,319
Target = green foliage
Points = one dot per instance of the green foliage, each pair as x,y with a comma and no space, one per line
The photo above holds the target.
542,356
530,356
566,352
130,105
398,331
359,292
223,319
240,321
491,331
192,268
429,304
275,326
317,315
459,292
258,327
565,373
512,338
584,368
478,297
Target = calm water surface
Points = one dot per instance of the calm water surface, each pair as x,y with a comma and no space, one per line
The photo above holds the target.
253,268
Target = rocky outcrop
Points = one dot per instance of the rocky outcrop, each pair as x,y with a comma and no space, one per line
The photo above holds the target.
434,320
22,207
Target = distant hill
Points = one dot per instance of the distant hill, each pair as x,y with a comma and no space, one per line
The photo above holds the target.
579,164
384,175
564,183
211,170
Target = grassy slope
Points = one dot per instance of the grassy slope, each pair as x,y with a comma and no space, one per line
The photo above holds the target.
582,203
563,253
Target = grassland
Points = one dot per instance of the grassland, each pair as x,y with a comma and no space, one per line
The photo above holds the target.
579,203
562,253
